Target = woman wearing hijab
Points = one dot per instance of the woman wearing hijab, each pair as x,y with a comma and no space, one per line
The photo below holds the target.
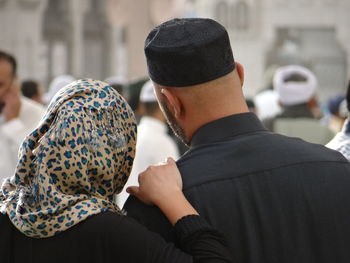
58,207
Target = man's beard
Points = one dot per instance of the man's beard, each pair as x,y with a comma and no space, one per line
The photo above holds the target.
174,125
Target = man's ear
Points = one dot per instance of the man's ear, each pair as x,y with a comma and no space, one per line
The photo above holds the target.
240,71
173,102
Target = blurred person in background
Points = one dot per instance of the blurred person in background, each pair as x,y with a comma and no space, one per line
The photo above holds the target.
18,115
56,84
337,113
154,144
276,198
341,141
251,105
266,100
32,90
134,90
296,88
117,83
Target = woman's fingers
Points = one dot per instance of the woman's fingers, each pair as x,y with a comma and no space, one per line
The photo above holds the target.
133,190
171,161
158,182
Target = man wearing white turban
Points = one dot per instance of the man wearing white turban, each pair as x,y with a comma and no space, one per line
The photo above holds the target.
296,88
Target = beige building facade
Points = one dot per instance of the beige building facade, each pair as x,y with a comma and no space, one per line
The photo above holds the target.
102,38
269,33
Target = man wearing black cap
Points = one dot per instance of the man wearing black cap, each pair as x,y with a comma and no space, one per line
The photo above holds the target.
277,199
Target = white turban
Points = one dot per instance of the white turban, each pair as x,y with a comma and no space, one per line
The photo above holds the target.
147,93
294,92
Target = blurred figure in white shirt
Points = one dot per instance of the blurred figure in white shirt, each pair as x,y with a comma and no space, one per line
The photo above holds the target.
18,115
154,144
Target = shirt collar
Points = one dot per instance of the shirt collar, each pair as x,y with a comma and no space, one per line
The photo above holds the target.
229,126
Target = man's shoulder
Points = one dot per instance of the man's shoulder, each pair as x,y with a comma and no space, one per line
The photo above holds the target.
263,144
32,104
31,112
32,107
250,154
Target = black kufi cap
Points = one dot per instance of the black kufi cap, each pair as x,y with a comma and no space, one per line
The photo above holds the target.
188,51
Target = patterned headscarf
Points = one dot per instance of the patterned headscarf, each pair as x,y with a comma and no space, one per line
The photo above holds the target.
71,166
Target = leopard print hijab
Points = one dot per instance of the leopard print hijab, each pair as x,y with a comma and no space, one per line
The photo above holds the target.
71,166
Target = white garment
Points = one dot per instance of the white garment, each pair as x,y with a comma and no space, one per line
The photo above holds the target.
341,142
266,103
153,146
13,132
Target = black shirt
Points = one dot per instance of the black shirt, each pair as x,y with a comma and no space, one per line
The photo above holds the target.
109,237
276,198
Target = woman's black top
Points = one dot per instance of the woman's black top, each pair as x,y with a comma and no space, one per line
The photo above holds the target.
109,237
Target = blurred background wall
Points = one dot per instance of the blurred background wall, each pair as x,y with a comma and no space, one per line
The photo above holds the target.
101,38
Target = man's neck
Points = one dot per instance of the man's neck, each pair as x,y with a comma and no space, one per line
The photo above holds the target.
213,116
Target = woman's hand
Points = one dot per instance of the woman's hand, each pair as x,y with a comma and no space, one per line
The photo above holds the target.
158,182
162,185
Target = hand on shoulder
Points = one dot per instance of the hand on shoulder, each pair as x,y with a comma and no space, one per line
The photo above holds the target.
158,182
